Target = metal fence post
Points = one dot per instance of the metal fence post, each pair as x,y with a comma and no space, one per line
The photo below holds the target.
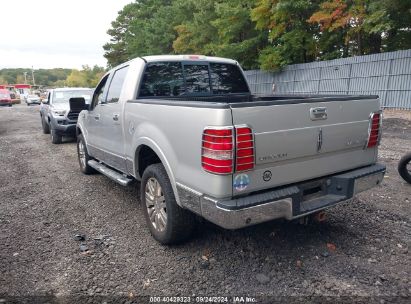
349,80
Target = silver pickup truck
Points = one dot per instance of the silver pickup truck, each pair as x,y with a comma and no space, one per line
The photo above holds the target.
188,128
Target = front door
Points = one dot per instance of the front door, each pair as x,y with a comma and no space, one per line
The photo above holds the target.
108,119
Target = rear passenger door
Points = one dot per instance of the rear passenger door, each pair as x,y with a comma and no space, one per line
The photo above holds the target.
109,137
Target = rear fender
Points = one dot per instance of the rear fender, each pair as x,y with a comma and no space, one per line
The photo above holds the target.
161,155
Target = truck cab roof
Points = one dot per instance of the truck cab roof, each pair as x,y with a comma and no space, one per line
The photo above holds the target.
160,58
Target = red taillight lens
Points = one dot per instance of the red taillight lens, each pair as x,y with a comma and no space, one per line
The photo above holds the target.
374,133
217,150
244,149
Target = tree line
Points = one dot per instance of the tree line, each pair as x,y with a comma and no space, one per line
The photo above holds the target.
87,77
267,34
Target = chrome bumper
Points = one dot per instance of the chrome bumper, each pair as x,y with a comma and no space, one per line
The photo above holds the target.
287,202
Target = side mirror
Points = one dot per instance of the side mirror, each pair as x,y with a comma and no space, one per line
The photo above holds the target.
78,104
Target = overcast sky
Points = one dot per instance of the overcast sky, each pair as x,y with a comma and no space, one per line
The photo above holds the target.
55,33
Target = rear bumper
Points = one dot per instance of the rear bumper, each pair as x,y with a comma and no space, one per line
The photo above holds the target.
287,202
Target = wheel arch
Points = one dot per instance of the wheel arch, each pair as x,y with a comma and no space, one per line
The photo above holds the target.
148,152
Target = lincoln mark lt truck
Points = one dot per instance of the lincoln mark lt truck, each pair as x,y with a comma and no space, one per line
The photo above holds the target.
189,129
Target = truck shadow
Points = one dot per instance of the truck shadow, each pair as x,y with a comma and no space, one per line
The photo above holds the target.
350,228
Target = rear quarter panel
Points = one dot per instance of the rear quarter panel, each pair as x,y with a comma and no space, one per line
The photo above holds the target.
175,134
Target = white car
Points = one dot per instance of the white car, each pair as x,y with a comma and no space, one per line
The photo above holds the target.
32,99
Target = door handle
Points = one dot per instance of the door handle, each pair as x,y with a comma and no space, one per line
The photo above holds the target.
97,117
116,116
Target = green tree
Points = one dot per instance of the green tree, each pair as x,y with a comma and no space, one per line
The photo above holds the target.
77,79
3,80
291,38
391,21
142,28
44,77
365,26
221,28
260,33
87,77
197,34
115,50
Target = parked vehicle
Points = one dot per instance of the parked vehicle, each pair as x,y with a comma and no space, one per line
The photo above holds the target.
32,99
5,98
189,129
56,117
404,167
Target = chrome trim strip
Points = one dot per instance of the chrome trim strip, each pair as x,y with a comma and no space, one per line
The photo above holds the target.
370,118
237,148
216,143
227,166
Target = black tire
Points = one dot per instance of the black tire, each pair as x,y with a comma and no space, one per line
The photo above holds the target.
45,126
84,167
55,138
10,105
404,167
180,222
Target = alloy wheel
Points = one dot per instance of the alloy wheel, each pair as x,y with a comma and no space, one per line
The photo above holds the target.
156,204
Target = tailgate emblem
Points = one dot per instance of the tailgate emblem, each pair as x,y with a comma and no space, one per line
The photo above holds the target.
318,113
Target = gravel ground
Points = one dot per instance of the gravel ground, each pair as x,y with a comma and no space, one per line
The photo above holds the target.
360,253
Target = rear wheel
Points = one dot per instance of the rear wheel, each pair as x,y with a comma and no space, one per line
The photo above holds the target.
168,222
56,138
404,167
83,156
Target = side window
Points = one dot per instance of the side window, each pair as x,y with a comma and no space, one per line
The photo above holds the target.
99,92
162,79
116,85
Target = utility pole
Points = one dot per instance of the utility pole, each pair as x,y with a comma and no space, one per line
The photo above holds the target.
25,77
32,74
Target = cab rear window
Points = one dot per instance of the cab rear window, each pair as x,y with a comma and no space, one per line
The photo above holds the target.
173,79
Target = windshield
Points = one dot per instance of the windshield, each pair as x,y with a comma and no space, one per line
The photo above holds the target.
4,95
64,96
33,96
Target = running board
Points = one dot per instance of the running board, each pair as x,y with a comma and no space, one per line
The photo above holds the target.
110,173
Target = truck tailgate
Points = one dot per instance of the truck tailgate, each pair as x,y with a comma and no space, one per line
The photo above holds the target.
304,139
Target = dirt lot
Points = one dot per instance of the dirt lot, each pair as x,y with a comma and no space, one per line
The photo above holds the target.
361,253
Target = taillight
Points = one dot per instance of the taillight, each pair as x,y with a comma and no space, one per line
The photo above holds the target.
374,130
219,146
244,149
217,150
